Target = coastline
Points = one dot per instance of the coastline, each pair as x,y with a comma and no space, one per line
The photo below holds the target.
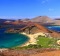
32,38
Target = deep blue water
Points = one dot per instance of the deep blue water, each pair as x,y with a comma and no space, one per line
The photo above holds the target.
8,40
55,28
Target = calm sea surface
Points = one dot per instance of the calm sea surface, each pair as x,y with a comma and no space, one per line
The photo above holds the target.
55,28
8,40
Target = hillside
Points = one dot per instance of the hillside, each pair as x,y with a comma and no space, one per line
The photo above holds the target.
42,19
39,19
25,20
57,21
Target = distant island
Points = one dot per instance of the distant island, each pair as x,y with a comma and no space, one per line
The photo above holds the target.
45,20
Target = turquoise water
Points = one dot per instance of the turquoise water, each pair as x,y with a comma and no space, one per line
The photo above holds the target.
8,40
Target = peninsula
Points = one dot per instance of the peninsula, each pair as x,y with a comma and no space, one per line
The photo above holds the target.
40,37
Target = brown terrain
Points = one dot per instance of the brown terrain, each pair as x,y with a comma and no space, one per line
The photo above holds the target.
26,20
31,52
40,19
32,28
53,53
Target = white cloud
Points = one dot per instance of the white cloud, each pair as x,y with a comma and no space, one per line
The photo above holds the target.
50,9
44,1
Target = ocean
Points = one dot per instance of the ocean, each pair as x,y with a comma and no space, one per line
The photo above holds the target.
8,40
54,28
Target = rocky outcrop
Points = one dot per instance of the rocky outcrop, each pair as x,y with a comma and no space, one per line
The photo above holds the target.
11,31
32,28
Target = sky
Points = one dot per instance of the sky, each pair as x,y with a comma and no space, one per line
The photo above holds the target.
16,9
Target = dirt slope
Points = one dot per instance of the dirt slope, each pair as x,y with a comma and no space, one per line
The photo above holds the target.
53,53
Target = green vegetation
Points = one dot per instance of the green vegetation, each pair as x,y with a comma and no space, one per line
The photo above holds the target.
31,46
46,42
42,42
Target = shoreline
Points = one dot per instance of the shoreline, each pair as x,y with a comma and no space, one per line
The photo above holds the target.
32,38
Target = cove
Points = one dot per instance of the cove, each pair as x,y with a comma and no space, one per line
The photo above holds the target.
8,40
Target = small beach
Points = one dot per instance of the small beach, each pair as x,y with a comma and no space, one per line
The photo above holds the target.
32,38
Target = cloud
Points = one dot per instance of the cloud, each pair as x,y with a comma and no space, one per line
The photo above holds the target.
50,9
44,1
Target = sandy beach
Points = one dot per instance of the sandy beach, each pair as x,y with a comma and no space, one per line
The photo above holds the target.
32,37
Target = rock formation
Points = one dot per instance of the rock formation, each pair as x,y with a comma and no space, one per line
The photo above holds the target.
32,28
